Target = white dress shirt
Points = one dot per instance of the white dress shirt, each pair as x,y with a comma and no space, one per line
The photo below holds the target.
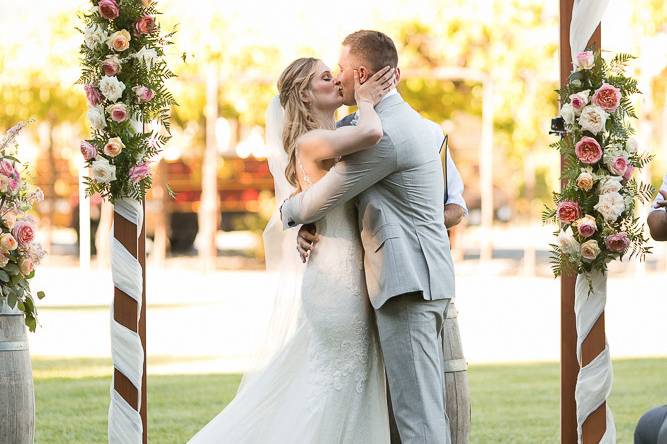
659,197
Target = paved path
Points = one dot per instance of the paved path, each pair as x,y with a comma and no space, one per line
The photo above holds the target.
212,321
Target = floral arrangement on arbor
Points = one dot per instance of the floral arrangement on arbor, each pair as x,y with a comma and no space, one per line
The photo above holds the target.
597,203
124,74
19,252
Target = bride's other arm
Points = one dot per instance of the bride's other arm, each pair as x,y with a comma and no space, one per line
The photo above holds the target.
323,144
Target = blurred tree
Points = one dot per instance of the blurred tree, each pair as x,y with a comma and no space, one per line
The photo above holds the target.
514,42
38,82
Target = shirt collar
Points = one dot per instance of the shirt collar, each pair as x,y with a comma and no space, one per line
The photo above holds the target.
392,92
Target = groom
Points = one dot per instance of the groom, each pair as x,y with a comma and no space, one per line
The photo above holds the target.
409,272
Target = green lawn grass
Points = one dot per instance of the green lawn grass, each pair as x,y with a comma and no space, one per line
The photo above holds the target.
510,403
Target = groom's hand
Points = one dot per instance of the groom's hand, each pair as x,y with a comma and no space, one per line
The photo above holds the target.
306,240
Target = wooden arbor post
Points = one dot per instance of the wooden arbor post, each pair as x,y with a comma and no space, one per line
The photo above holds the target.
595,425
125,313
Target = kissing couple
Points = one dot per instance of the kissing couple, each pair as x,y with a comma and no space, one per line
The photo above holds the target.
356,331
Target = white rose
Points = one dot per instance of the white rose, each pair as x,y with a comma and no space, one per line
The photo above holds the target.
631,145
96,118
147,55
103,172
593,119
610,206
568,244
112,88
579,100
590,250
567,113
584,94
610,184
94,36
585,180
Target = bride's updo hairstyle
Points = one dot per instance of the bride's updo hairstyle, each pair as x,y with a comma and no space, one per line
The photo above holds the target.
293,82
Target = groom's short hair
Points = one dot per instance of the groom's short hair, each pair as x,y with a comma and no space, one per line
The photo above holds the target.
374,47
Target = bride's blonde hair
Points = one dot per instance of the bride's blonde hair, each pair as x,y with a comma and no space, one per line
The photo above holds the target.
293,82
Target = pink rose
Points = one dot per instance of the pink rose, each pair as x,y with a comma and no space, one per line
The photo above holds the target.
586,226
585,59
607,97
7,169
111,65
628,173
139,172
618,242
8,242
24,231
568,211
26,266
93,94
619,166
108,9
88,151
114,147
144,94
145,25
588,150
14,185
577,102
118,112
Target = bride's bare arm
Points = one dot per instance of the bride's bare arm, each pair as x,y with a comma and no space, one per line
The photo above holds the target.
323,144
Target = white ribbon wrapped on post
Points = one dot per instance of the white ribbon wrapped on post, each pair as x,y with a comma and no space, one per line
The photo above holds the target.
595,379
125,426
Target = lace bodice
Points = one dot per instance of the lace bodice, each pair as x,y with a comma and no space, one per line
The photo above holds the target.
336,305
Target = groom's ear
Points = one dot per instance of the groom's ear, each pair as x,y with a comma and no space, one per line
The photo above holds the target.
364,74
397,75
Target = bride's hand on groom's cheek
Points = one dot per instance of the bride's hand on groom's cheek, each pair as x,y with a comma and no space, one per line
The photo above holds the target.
306,240
375,87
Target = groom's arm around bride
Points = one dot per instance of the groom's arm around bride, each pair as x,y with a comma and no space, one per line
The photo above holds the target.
400,193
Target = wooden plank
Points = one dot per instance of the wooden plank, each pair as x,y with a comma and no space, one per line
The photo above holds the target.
596,424
125,308
569,367
141,250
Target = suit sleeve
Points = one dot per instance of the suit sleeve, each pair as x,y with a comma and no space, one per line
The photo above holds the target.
349,177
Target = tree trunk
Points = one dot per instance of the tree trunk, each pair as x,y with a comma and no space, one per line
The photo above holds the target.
51,189
208,210
161,234
102,239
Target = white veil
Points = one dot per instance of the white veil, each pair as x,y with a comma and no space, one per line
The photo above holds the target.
283,264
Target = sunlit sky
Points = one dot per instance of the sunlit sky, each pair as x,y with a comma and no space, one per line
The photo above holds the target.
294,24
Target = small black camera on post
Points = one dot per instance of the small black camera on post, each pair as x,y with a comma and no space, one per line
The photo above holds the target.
558,126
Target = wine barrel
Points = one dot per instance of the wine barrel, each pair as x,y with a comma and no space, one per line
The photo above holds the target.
456,379
17,395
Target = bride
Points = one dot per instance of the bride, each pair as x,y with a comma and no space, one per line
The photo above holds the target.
321,379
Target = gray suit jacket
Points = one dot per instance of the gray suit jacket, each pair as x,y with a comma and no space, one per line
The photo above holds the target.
401,216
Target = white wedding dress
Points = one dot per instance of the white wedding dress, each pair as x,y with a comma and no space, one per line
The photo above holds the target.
327,384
